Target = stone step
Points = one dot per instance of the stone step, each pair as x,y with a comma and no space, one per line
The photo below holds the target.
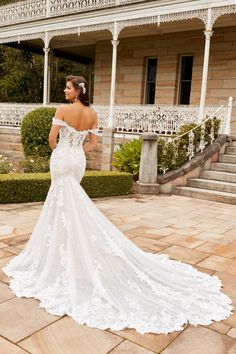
212,185
223,167
216,196
219,176
227,158
230,150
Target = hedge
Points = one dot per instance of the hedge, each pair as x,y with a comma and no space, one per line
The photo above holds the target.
35,129
33,187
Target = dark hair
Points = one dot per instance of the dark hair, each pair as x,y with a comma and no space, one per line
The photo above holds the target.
76,81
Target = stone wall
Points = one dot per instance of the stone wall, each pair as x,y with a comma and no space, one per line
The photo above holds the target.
11,147
10,143
132,53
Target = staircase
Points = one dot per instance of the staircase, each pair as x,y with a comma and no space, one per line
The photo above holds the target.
218,183
10,143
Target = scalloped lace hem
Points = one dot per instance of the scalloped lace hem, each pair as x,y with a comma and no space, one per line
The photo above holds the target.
98,314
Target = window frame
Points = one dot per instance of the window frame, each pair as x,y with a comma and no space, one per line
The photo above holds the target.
180,81
146,81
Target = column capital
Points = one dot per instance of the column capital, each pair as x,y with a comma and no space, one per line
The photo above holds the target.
115,42
208,33
46,50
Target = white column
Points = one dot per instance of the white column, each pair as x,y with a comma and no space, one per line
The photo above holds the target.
115,43
208,35
46,75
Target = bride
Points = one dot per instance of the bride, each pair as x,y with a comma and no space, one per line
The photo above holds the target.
78,263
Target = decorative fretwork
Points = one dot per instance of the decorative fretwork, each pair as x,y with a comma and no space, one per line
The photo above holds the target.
185,15
220,11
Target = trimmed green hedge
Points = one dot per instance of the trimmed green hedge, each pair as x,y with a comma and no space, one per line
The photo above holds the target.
35,129
33,187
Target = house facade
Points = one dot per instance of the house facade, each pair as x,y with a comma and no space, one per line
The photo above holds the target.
151,61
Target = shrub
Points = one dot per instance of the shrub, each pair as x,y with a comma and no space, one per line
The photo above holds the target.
34,132
127,158
35,164
33,187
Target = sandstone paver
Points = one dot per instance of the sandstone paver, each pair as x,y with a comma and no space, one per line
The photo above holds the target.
19,317
185,254
185,241
68,337
201,341
127,347
150,341
7,347
232,332
219,264
150,245
5,292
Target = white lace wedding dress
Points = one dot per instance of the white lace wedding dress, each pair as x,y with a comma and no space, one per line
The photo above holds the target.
78,263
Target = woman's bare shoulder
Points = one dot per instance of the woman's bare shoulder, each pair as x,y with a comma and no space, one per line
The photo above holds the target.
61,110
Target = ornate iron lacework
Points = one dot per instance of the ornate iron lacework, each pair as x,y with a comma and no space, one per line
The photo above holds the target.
164,119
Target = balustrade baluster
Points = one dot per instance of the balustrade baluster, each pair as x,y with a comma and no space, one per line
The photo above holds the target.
202,143
190,148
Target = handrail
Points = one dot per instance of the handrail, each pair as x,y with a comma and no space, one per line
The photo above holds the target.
190,147
203,122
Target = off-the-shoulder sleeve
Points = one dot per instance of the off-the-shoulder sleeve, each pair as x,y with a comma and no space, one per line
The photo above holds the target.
56,121
93,131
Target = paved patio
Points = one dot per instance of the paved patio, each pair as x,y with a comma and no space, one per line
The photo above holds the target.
198,232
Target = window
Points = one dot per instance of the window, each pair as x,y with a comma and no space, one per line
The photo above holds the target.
185,79
150,85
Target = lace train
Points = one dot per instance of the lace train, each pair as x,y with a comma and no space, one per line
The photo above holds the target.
78,263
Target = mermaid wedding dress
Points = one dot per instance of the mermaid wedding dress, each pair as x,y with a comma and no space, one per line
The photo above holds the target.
78,263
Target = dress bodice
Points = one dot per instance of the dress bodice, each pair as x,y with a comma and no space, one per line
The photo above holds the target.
69,136
68,158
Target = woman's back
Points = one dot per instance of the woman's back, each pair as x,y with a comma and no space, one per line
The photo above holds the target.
79,116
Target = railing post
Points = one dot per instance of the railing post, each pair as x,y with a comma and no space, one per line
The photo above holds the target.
228,117
147,183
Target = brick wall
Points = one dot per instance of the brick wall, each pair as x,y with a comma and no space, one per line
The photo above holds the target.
132,53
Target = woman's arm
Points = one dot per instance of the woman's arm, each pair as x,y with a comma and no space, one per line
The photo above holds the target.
93,139
52,138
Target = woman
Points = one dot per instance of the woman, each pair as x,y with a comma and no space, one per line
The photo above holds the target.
78,263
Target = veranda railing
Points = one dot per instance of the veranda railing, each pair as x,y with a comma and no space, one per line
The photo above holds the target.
128,119
23,11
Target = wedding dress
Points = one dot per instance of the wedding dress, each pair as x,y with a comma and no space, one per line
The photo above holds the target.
78,263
